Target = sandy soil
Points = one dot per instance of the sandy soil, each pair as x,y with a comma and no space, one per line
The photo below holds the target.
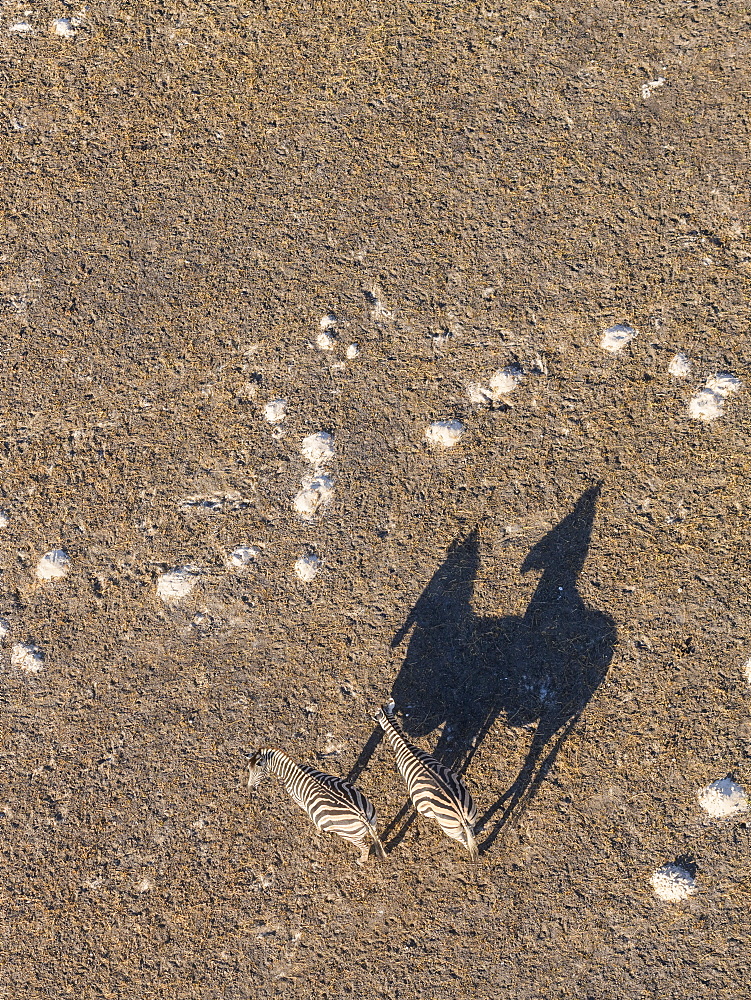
559,602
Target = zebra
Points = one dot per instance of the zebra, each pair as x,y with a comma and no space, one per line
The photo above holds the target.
333,804
435,790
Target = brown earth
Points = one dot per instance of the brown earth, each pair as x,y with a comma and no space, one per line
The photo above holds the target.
187,189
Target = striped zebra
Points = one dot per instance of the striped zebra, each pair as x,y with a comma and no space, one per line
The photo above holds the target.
332,803
435,790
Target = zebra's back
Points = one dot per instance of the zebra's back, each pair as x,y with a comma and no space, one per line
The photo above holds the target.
333,804
437,792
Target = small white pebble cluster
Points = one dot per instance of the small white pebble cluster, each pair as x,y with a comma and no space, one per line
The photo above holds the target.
275,411
318,448
723,798
53,565
307,567
673,884
65,26
680,366
444,433
500,384
616,337
648,88
177,584
318,488
244,555
326,339
27,657
709,403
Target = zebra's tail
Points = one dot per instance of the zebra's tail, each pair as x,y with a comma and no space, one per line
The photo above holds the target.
471,844
378,845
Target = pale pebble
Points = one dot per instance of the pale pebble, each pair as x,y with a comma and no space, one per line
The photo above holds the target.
444,433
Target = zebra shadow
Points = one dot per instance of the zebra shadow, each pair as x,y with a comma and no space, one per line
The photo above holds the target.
463,671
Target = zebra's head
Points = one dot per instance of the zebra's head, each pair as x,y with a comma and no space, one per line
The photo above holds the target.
257,768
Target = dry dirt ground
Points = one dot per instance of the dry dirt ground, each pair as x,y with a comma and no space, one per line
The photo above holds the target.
559,602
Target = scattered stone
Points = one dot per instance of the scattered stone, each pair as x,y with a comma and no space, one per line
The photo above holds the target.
307,567
316,492
275,411
318,448
616,337
499,385
709,403
53,565
64,26
177,583
244,555
444,433
27,657
673,884
680,366
353,351
325,341
647,89
723,798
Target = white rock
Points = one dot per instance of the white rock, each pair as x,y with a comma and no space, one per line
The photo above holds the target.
27,657
673,884
500,384
247,391
505,381
275,411
4,628
21,27
316,492
648,88
747,670
177,583
723,385
353,351
53,565
325,341
479,394
616,337
4,519
328,322
64,26
723,798
307,567
243,555
318,448
709,403
444,433
706,405
680,366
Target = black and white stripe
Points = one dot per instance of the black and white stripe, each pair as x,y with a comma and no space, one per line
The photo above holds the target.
437,793
334,805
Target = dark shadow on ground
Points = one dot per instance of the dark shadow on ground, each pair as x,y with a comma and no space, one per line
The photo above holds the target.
463,671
